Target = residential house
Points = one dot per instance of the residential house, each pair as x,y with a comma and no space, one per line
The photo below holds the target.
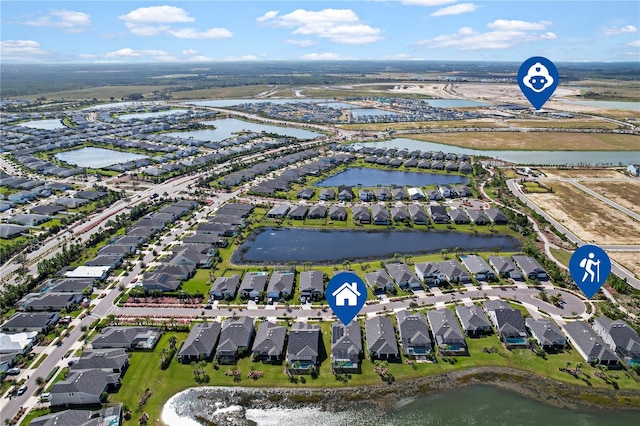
446,332
327,194
128,338
235,339
200,342
253,285
398,193
345,193
280,285
379,281
474,321
458,216
306,193
531,268
505,267
84,387
50,301
383,194
303,348
337,213
589,345
278,211
418,214
41,322
416,193
381,338
29,219
508,322
311,286
477,217
17,343
620,337
496,216
268,345
478,267
403,276
547,334
107,360
298,212
224,288
453,271
110,415
429,273
439,214
366,195
380,214
399,214
414,335
446,191
361,214
317,211
346,347
8,231
434,195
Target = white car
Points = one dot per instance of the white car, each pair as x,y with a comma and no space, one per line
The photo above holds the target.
22,389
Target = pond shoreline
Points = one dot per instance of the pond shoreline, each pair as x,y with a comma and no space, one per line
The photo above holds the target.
229,404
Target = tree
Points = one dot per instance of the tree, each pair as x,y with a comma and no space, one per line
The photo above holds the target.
444,253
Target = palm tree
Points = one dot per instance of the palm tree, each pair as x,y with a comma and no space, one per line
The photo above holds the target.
444,253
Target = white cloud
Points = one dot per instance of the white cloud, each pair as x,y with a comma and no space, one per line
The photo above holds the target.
328,56
155,20
456,9
212,33
300,43
21,50
397,56
635,43
628,29
157,15
190,52
128,53
70,20
505,34
426,2
267,16
336,25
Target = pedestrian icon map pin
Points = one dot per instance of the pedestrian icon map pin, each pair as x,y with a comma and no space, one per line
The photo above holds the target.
538,78
589,266
346,294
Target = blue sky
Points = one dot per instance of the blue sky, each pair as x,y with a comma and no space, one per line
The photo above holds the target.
202,31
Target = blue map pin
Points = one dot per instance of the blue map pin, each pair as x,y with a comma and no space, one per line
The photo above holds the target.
589,266
538,78
346,294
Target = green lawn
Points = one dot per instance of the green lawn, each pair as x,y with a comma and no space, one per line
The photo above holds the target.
144,372
199,283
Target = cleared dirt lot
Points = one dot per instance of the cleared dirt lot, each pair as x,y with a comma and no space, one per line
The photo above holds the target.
551,141
584,173
591,220
627,259
627,194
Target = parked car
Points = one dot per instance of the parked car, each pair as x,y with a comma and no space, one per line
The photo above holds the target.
22,389
45,396
13,371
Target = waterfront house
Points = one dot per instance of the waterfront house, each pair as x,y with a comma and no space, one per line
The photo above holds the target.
128,338
200,342
531,268
403,276
478,267
84,387
418,214
235,339
303,348
280,285
446,332
453,271
474,321
381,338
505,267
306,193
327,194
278,211
224,287
268,346
107,360
458,216
547,334
380,214
311,286
508,322
346,347
496,216
399,214
477,217
620,337
439,214
338,213
416,193
361,214
298,212
317,211
253,285
414,335
589,345
429,273
379,281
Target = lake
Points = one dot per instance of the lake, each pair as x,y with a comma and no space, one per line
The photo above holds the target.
282,245
230,127
145,115
471,405
96,158
44,124
373,177
519,157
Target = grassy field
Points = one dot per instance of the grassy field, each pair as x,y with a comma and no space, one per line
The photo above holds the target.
561,255
144,372
548,141
453,124
565,124
586,216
